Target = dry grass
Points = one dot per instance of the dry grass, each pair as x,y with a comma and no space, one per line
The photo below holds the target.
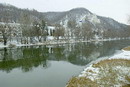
81,82
127,78
111,72
127,48
112,62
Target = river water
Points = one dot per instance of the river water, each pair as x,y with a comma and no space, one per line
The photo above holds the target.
51,65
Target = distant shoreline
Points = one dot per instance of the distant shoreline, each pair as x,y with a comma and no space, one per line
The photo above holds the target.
53,42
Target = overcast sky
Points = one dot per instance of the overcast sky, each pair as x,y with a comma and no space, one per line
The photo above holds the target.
116,9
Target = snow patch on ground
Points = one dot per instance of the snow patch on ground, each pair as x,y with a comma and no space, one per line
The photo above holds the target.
94,73
94,19
122,55
2,46
90,72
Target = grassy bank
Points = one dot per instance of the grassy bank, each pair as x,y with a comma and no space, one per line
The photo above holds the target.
127,48
106,73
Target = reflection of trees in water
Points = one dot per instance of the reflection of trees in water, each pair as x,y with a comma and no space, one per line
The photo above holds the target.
82,56
5,54
32,57
27,58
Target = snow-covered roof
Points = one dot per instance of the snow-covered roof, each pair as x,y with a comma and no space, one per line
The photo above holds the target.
51,27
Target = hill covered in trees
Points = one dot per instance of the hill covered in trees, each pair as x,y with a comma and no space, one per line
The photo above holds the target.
75,24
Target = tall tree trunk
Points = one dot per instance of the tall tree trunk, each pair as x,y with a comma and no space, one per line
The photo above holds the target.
5,39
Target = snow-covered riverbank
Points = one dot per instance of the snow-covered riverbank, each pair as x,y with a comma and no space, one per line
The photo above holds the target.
51,42
123,55
111,72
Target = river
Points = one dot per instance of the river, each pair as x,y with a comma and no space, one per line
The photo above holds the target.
51,65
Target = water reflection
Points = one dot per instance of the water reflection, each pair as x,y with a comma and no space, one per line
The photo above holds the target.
28,58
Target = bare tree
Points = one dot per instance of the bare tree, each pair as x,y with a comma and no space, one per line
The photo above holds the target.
71,26
44,30
77,33
25,22
5,28
59,31
86,31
